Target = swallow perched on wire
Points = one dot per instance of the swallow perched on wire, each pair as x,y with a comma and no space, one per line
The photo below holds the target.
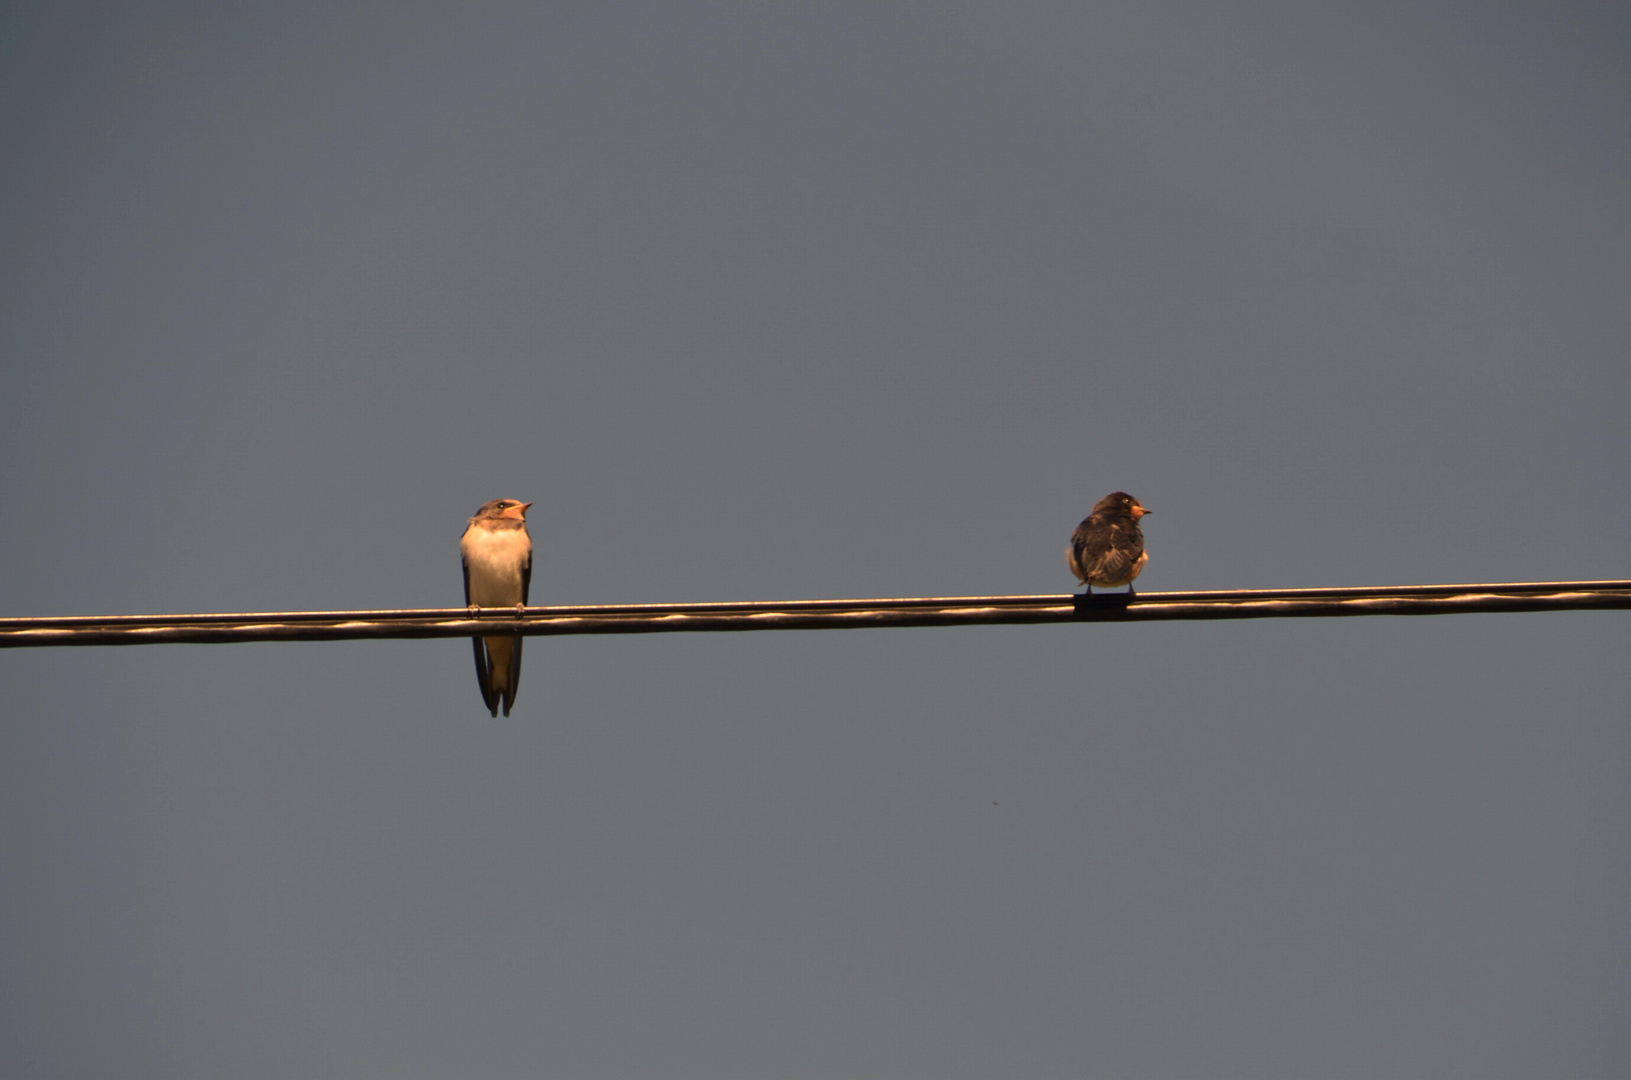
1107,548
497,573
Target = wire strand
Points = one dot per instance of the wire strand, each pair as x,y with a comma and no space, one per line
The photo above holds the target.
223,628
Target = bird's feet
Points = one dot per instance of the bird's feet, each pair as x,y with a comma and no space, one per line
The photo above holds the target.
474,609
520,610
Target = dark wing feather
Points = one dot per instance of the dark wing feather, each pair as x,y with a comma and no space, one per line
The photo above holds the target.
515,675
484,676
1130,539
1106,549
515,653
1111,565
1078,546
484,671
514,685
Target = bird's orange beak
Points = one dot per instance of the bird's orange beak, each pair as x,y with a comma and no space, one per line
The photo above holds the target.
1138,512
518,512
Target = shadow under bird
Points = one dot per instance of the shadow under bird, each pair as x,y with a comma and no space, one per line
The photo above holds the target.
1107,548
497,554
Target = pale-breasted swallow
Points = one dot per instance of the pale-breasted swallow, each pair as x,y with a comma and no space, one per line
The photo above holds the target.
498,573
1107,548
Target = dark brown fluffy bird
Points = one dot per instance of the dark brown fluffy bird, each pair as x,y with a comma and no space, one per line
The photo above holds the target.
1107,548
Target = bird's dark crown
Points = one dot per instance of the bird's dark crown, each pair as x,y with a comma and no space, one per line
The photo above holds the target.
497,507
1117,502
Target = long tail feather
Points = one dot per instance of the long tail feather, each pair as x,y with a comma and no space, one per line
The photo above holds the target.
484,676
513,684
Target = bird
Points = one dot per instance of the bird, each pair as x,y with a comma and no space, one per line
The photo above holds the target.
497,553
1107,548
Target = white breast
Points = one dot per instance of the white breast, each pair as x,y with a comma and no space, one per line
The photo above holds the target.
494,560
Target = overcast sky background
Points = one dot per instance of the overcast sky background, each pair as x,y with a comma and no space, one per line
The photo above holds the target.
843,300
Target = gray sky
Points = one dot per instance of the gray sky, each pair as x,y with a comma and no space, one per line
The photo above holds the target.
841,300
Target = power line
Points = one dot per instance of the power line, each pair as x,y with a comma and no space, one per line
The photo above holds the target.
222,628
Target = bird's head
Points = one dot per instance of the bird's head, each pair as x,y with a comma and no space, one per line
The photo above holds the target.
514,509
1119,502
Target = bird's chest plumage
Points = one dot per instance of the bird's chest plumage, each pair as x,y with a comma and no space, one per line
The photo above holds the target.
494,559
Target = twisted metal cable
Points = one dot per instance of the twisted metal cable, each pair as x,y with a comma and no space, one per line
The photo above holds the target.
220,628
